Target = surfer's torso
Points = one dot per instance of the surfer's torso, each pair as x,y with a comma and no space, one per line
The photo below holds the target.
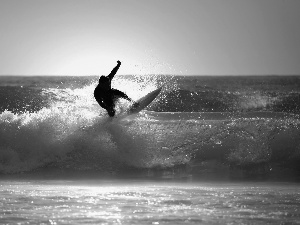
104,83
105,95
103,90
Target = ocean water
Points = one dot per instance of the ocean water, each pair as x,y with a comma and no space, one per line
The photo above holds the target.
208,150
147,202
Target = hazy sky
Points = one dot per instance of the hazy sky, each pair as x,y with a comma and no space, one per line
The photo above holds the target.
201,37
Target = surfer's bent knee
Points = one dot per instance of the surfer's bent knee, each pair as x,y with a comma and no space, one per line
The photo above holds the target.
111,112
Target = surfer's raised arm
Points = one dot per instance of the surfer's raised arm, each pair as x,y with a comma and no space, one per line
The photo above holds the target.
107,96
114,71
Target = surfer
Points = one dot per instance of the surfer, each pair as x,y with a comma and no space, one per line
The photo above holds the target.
107,96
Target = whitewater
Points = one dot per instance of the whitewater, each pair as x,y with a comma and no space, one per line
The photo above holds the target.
208,150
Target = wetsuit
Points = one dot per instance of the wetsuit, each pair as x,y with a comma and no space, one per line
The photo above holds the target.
105,95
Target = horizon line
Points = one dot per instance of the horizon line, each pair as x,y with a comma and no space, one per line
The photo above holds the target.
49,75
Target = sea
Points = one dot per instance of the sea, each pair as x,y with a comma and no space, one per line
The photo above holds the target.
207,150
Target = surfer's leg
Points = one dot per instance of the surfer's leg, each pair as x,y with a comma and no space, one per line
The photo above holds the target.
119,94
101,103
100,97
110,106
111,111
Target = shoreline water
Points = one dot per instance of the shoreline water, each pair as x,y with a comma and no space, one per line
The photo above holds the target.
148,202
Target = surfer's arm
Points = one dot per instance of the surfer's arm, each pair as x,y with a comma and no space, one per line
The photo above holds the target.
127,98
120,94
114,71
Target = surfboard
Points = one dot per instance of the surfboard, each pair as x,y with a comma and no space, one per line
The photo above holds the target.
143,102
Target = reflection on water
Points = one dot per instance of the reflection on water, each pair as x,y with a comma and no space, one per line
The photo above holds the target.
147,202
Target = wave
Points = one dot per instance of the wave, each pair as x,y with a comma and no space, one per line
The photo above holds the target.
69,141
67,131
63,127
179,95
181,100
19,99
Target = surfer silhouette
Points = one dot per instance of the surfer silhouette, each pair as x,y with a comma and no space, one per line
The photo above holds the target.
107,96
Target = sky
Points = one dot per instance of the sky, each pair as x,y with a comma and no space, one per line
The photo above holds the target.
180,37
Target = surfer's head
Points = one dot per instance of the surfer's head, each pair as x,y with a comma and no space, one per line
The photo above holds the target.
103,79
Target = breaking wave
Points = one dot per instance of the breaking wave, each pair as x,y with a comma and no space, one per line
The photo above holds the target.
198,132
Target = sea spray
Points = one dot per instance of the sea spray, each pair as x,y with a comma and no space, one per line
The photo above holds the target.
222,129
